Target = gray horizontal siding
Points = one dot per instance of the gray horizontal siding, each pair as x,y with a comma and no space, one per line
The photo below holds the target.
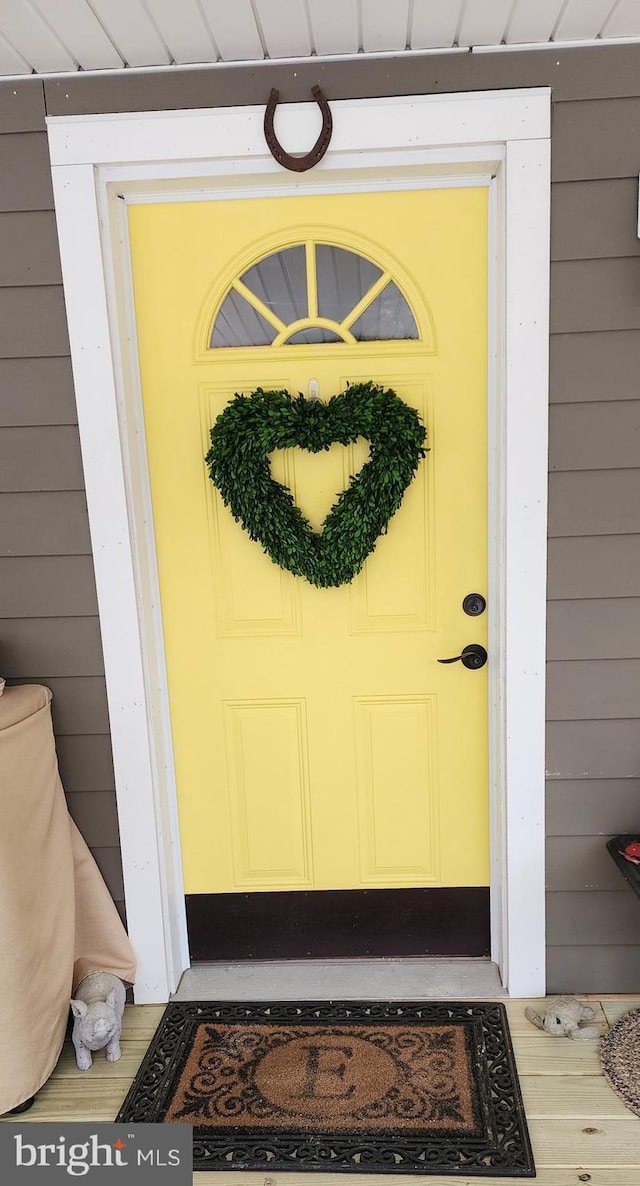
581,863
51,631
592,73
36,391
597,366
594,219
54,523
595,294
594,629
595,139
79,703
594,501
594,690
33,322
594,566
593,676
592,918
95,814
28,249
593,749
36,648
47,586
606,968
592,807
22,107
40,458
596,436
110,865
85,762
25,172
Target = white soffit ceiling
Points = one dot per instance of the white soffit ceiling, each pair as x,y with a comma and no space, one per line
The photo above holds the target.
58,36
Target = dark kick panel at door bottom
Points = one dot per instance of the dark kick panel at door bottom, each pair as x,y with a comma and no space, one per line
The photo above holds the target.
346,924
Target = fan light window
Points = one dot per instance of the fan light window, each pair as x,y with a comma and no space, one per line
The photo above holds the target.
310,294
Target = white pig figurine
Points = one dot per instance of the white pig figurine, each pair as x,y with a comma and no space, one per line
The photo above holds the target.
97,1008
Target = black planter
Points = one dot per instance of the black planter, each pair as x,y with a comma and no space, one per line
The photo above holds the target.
630,872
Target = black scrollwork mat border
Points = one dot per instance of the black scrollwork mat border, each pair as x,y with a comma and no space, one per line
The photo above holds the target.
502,1150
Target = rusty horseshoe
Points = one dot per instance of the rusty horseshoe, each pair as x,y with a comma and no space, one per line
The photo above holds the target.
298,164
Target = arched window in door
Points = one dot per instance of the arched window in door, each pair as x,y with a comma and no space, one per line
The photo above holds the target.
313,293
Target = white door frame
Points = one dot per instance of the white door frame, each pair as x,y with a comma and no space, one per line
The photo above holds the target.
102,163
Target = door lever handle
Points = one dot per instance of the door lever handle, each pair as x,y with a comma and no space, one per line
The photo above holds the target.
474,656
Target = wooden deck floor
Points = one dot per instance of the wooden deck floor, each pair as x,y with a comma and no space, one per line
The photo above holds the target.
580,1130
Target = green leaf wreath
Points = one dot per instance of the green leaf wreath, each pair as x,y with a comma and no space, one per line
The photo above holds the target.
252,426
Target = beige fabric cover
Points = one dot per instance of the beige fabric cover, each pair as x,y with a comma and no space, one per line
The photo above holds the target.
57,919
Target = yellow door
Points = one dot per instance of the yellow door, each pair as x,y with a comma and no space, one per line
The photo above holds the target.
318,742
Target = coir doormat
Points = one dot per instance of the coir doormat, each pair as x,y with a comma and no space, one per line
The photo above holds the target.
379,1088
620,1058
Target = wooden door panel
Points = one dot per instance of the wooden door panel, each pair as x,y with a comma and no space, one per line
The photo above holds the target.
271,835
398,834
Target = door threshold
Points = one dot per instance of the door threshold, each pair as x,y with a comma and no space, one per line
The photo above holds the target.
343,980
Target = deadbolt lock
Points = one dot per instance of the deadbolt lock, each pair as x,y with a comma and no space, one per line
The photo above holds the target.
474,604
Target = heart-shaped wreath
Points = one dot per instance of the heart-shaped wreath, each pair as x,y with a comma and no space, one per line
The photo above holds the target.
252,426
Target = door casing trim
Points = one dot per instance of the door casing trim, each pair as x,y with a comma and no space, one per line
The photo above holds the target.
102,163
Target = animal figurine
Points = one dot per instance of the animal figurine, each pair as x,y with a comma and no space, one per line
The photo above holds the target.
562,1017
97,1008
